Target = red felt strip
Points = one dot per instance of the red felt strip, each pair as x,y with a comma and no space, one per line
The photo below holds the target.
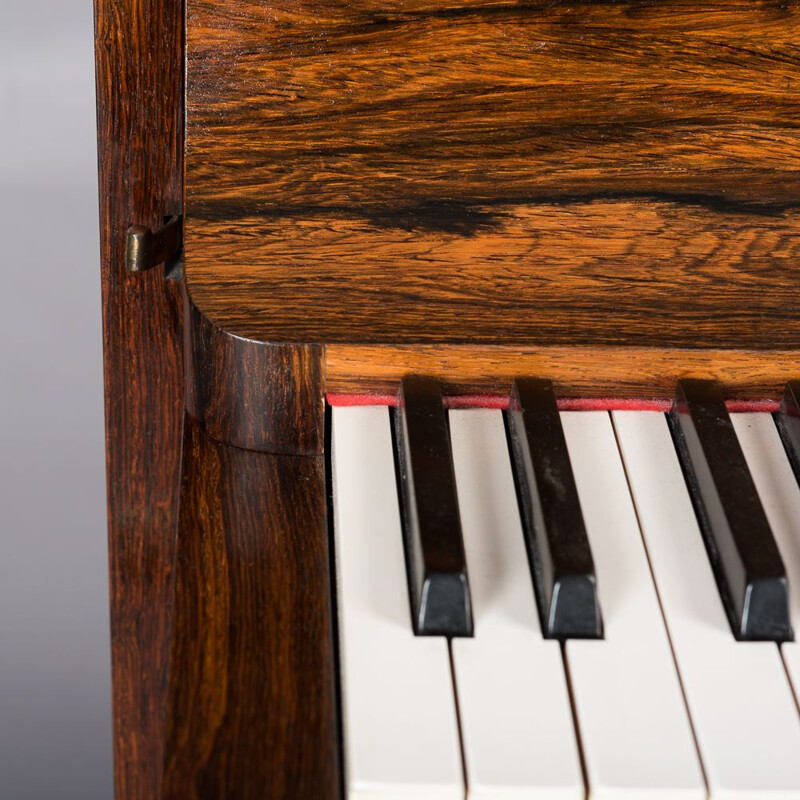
752,406
362,399
565,403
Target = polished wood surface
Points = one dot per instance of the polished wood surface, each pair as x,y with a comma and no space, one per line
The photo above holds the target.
279,736
525,175
385,106
140,132
252,699
602,272
576,370
252,394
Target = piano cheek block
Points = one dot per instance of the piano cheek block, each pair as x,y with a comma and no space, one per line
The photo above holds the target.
744,555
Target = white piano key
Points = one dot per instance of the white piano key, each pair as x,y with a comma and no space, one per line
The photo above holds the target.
400,724
739,699
780,496
516,722
634,728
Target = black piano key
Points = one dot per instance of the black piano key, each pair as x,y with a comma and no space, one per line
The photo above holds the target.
438,583
788,420
743,552
555,534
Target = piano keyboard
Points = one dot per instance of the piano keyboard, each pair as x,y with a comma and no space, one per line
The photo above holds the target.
680,686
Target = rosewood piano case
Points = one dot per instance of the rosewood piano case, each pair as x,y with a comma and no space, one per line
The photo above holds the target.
601,193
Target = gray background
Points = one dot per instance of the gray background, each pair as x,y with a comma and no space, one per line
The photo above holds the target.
55,719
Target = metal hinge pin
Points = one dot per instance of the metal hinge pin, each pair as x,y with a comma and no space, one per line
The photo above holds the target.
145,249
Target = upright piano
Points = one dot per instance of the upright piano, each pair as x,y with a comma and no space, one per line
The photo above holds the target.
452,398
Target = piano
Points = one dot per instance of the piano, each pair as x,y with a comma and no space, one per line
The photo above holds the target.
452,398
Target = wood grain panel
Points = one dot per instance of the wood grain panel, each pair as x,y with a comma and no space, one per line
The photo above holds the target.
601,272
577,371
252,699
496,173
336,103
140,133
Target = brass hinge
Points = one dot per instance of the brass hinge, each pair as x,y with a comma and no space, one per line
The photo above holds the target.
145,249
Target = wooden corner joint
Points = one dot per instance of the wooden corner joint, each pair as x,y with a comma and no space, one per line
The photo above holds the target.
262,396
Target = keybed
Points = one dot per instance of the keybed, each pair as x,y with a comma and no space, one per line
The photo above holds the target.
668,702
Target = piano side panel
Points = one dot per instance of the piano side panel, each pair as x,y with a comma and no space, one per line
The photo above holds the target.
252,697
140,134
